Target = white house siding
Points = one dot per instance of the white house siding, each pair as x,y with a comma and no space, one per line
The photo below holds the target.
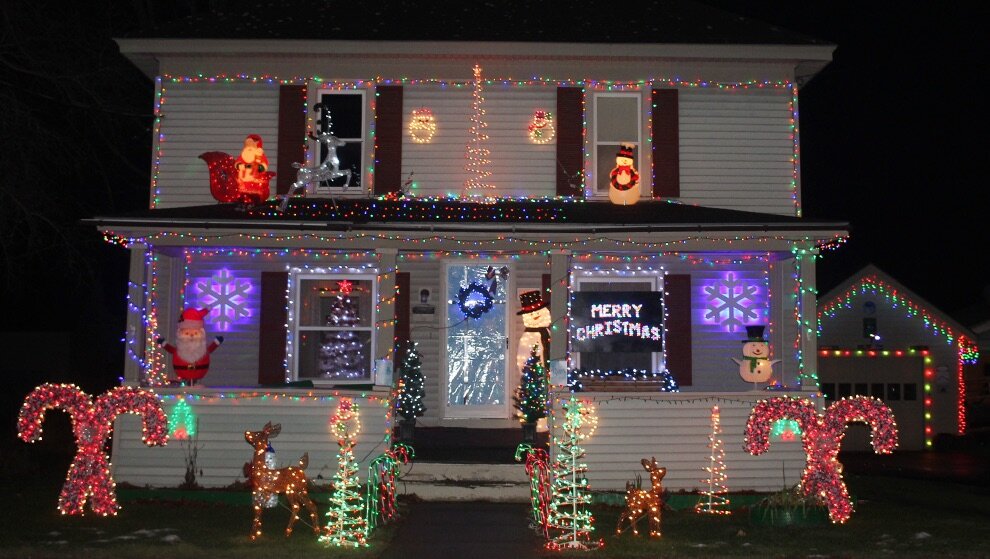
201,117
736,149
235,363
899,329
519,167
674,428
222,450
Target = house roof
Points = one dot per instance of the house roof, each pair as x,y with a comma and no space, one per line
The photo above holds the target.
556,216
587,21
873,278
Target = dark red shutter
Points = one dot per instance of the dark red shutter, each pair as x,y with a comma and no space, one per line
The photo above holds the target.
271,343
402,307
677,289
291,134
388,138
666,145
570,141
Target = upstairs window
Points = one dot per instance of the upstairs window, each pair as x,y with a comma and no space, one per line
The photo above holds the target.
345,111
618,120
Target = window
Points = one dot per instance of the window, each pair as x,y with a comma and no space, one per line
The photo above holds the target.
911,391
876,390
860,389
333,326
845,390
344,113
615,359
828,390
617,121
893,392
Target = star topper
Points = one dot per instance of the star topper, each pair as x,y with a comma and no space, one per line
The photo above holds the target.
345,286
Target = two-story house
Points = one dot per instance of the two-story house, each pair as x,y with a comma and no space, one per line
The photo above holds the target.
469,188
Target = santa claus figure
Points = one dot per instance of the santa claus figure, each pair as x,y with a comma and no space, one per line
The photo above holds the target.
624,179
536,318
191,353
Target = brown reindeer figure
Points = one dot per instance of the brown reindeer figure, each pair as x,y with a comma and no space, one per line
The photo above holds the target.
267,482
640,502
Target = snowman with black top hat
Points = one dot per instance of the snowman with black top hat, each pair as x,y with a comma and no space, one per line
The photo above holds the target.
756,365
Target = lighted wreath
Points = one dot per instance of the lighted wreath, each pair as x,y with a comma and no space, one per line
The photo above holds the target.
477,305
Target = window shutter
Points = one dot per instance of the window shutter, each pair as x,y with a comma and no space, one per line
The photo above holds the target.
388,138
272,338
402,332
570,141
677,299
291,134
666,145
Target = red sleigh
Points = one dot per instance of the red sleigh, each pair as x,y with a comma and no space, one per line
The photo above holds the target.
225,185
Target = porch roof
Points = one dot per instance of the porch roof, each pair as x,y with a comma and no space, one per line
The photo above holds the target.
546,216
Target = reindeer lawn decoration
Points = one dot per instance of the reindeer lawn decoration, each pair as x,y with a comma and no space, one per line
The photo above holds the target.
92,423
640,502
823,433
329,167
267,482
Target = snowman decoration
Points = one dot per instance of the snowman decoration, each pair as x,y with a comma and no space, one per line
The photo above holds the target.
756,365
623,183
536,318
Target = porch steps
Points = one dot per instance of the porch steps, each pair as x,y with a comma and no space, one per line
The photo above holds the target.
447,481
467,464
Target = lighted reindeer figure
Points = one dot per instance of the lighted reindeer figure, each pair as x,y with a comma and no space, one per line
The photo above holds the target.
329,167
92,423
823,434
267,482
640,502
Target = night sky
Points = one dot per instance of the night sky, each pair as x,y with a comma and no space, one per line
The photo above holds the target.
885,137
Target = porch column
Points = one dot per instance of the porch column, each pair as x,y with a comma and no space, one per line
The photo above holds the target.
134,334
385,332
560,289
808,309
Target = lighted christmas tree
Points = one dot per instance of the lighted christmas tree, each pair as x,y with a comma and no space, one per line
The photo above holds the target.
342,351
713,500
478,163
409,403
346,524
531,397
570,519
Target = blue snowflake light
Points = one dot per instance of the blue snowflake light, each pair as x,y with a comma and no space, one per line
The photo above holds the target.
733,302
227,297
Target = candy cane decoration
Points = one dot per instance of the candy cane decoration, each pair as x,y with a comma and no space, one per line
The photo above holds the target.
540,484
823,435
92,423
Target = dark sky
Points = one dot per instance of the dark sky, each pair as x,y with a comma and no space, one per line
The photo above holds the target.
889,141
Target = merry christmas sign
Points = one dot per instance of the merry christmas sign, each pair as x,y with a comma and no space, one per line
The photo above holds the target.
617,321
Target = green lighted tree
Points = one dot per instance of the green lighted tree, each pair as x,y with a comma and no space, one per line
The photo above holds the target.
569,516
409,402
532,394
346,525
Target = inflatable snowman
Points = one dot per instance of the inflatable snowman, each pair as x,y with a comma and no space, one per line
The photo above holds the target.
756,365
623,183
536,318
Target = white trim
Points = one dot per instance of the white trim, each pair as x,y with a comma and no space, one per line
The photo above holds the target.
501,411
596,95
295,280
314,146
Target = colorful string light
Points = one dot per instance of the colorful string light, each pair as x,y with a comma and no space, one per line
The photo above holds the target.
571,522
380,492
540,484
89,477
823,434
346,524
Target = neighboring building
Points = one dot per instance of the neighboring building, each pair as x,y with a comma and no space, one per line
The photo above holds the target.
706,102
878,338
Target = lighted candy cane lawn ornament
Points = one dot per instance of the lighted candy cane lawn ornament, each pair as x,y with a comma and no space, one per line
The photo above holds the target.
823,435
92,423
540,484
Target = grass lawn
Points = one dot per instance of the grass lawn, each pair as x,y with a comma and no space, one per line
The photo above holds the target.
894,518
32,527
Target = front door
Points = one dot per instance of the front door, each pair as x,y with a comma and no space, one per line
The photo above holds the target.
476,341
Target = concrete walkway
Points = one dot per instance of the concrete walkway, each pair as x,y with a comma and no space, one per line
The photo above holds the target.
470,530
